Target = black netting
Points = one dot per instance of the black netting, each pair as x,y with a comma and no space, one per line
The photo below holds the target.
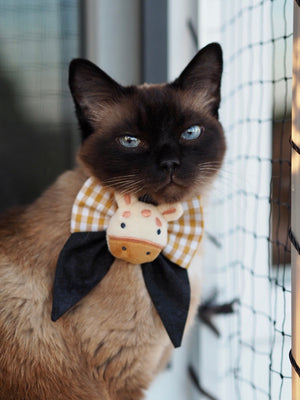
250,212
37,41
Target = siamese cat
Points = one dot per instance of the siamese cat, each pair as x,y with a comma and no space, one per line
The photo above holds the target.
164,144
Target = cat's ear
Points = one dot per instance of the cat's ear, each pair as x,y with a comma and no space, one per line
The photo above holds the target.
203,74
91,88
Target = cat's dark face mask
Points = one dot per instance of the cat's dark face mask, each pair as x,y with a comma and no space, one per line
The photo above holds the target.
163,142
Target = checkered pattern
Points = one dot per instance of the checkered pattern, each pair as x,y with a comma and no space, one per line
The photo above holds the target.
95,205
93,208
185,234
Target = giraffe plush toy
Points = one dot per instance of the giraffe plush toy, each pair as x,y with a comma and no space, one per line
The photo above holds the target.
138,232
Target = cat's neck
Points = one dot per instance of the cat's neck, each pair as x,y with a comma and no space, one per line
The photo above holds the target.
44,226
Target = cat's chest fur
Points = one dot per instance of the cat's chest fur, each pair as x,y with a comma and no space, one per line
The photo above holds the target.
113,335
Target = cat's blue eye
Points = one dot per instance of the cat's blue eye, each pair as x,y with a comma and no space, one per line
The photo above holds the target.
192,133
129,141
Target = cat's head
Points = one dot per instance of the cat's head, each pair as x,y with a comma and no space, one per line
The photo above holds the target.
160,141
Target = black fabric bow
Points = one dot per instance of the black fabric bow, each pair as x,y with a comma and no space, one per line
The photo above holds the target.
85,260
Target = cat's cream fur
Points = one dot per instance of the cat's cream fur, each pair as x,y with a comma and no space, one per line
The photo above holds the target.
95,352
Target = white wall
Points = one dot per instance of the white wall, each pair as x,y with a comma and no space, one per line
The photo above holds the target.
181,47
114,38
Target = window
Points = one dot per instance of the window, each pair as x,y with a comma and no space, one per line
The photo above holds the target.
37,124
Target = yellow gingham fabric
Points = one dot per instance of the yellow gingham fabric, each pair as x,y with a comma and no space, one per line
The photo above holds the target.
95,205
185,234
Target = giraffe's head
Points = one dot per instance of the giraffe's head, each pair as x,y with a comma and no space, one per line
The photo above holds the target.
138,231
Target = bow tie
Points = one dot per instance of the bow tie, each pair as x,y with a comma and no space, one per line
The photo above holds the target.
101,232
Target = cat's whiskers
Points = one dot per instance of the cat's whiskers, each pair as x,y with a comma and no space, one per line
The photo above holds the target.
223,187
129,183
209,177
119,179
208,166
134,186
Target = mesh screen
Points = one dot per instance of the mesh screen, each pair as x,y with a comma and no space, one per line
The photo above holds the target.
249,215
37,40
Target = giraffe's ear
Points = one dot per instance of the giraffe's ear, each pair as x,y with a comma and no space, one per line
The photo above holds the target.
125,200
171,212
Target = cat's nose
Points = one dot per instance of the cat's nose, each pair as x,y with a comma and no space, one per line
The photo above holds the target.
170,164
